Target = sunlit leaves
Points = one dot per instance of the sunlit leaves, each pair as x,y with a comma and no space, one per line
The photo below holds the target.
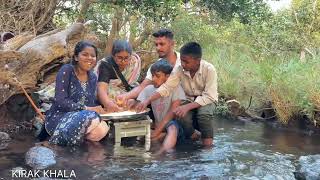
245,10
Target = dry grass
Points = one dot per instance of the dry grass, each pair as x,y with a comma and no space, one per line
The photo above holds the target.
285,109
315,100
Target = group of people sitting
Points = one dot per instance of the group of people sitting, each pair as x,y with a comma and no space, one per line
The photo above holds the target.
180,87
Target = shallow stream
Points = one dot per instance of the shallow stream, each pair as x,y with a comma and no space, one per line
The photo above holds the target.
243,150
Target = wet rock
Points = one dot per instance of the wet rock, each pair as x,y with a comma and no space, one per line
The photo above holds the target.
310,167
40,157
237,111
4,140
46,95
4,136
234,107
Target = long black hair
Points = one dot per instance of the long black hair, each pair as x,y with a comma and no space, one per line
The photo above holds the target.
79,47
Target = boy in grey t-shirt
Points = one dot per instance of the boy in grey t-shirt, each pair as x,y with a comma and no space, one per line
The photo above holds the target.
162,108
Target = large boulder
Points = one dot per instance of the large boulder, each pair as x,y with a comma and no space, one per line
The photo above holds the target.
40,157
310,167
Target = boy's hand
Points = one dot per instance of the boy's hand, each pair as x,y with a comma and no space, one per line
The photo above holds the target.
181,111
142,105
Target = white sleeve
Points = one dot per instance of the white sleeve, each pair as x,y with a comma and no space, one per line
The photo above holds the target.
146,92
149,75
178,94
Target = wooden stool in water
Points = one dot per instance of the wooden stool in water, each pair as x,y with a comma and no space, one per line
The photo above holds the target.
130,128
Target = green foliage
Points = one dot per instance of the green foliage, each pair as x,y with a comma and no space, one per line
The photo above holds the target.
188,27
293,83
245,10
221,109
307,19
156,10
66,13
125,18
290,85
259,59
101,14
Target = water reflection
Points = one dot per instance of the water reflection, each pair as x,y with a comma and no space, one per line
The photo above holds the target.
96,154
291,141
242,151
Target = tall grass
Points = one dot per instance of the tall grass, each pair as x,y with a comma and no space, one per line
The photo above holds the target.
258,61
291,86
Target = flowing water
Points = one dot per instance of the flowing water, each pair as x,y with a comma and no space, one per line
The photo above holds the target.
243,150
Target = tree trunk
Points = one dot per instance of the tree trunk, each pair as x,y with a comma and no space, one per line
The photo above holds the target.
17,42
115,29
33,60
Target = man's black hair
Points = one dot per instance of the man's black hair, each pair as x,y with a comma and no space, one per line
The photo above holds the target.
163,32
161,65
192,49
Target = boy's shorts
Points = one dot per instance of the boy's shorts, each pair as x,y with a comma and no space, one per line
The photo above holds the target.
180,137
